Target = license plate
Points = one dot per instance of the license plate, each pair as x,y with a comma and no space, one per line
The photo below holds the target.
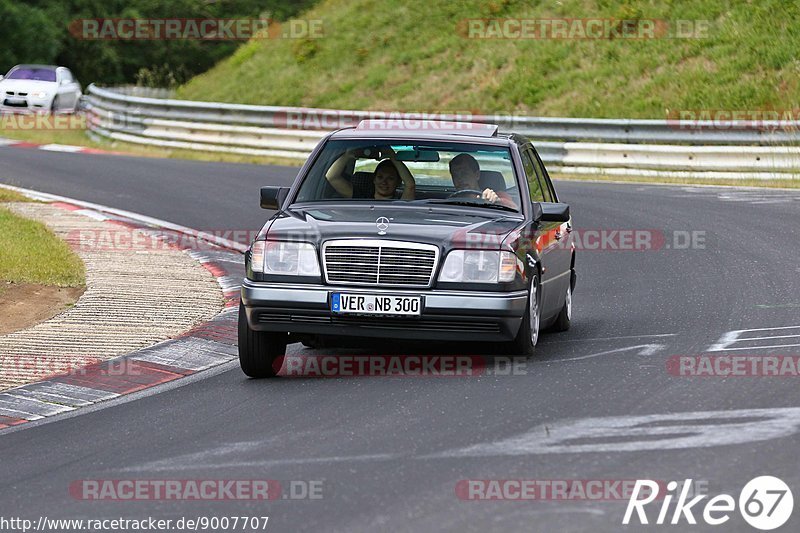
371,304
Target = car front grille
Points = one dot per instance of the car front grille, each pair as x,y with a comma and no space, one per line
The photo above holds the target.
380,263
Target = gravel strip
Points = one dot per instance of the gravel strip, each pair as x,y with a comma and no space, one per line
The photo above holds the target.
136,295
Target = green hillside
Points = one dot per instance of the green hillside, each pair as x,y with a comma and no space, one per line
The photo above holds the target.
413,55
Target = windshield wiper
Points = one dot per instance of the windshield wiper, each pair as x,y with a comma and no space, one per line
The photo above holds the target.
453,201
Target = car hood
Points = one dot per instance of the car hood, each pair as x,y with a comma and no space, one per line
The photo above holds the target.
445,227
27,85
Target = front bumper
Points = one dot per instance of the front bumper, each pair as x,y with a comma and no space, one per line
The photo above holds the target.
29,107
446,315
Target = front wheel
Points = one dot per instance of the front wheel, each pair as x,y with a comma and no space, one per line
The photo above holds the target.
260,352
528,334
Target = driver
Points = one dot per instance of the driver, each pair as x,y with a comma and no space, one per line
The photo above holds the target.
466,172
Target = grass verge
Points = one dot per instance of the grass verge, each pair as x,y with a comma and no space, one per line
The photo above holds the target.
31,253
7,195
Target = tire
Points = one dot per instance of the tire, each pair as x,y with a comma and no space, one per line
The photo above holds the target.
525,342
260,352
54,105
564,318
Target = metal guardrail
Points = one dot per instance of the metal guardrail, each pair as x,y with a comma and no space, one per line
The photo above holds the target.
587,146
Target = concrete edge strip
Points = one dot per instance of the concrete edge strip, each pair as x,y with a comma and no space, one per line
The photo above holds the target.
206,346
66,148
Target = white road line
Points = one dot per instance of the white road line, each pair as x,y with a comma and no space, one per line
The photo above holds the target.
756,347
615,338
672,431
172,465
768,329
735,336
645,349
742,339
701,429
61,148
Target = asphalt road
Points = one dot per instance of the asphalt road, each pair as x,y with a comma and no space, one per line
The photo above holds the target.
595,403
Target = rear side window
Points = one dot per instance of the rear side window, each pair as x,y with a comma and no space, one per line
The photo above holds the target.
534,186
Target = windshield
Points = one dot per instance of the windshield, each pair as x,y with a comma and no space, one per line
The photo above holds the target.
402,171
38,74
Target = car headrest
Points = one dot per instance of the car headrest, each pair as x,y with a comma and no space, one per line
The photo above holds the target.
363,182
492,179
362,178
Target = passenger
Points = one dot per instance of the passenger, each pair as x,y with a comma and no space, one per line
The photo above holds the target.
466,173
387,177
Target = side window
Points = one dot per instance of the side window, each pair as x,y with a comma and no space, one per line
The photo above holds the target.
546,182
533,180
548,195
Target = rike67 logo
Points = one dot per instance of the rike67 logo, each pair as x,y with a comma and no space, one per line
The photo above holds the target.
765,503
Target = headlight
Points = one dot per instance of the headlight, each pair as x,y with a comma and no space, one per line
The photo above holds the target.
479,266
284,258
40,94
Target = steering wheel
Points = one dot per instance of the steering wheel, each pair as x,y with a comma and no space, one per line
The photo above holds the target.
466,191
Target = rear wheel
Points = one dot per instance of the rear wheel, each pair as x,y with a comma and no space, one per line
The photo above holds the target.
528,334
260,352
565,316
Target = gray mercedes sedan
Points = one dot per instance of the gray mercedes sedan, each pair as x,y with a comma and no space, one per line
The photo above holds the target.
451,231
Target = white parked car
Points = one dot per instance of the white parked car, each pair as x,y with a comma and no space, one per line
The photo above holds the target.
39,89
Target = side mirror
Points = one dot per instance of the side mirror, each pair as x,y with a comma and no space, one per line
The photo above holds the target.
273,197
555,212
536,207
